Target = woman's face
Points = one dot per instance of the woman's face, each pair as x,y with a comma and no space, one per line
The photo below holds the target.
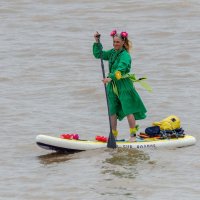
117,43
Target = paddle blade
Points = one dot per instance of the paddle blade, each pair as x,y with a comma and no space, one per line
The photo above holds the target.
111,141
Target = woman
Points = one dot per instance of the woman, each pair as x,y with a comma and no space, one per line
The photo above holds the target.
122,97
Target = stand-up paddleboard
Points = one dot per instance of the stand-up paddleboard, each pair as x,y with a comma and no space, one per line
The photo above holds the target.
71,145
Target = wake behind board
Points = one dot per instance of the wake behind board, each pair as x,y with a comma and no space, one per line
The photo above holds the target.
71,145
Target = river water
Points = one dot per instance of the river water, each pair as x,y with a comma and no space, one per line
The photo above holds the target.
50,84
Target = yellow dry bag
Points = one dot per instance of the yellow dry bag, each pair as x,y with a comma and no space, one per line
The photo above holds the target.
170,123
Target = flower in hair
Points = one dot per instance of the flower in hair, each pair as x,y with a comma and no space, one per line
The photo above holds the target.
124,34
113,33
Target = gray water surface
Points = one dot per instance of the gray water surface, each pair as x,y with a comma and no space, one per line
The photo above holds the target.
50,83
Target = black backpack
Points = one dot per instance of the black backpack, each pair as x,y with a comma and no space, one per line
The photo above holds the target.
153,131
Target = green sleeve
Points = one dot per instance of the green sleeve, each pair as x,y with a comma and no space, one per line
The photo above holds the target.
96,51
124,66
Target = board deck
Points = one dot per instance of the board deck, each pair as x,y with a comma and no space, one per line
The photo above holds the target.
70,145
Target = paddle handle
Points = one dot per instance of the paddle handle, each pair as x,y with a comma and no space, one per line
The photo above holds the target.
111,139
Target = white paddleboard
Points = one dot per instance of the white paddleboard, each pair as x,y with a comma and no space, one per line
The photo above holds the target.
70,145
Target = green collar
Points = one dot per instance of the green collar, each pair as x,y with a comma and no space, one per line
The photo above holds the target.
118,51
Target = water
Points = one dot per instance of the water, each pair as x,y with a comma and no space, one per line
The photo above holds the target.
50,83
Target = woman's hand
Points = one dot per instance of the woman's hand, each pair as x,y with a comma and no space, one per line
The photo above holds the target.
96,37
106,80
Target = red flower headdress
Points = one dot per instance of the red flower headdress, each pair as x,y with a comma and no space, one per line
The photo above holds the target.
123,34
113,33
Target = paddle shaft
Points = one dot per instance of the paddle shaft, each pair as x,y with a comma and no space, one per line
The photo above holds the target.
111,139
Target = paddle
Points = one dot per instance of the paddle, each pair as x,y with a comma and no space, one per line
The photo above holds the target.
111,139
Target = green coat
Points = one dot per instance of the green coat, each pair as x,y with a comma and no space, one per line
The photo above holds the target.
127,100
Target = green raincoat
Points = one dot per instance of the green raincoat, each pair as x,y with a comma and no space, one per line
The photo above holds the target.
126,100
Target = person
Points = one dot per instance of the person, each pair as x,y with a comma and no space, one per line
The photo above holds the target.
123,99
